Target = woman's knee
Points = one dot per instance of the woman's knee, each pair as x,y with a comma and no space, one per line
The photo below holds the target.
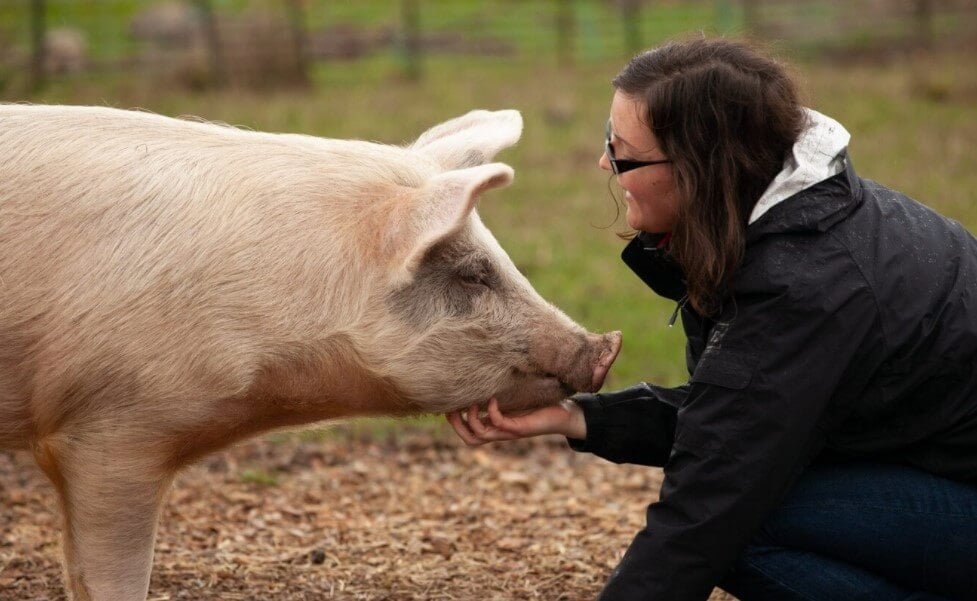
762,573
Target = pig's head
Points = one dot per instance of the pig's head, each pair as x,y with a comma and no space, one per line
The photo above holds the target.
453,322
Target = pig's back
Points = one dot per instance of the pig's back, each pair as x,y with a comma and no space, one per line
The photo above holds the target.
147,247
107,197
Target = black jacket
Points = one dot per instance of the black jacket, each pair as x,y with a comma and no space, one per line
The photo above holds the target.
850,331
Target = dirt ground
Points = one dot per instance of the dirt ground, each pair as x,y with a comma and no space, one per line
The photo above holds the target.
414,516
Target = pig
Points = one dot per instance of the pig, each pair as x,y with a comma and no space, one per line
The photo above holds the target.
169,287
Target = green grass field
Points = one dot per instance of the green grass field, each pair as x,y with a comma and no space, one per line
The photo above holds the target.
913,124
527,25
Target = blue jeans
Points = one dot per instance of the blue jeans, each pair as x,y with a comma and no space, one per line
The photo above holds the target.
864,531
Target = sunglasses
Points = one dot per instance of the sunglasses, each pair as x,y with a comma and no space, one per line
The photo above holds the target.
619,166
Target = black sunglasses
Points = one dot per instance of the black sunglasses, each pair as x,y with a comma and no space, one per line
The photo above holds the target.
619,166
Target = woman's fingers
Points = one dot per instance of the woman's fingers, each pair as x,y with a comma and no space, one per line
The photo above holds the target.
475,423
551,419
462,430
472,430
475,430
486,432
500,421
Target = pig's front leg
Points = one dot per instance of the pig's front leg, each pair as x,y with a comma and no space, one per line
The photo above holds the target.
110,493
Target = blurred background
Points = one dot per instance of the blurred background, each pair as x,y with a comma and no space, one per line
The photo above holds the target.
391,510
900,74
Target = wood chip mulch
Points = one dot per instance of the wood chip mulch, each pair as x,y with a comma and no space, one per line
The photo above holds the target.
411,516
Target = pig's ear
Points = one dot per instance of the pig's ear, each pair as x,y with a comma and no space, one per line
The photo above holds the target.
470,140
446,203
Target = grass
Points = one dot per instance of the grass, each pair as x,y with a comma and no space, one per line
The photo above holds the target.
259,477
528,26
913,126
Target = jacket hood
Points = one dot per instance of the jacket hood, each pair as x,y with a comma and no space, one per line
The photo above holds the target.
818,154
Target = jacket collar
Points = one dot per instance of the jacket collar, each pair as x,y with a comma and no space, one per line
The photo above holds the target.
818,154
813,209
654,266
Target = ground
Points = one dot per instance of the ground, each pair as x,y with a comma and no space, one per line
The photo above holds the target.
359,515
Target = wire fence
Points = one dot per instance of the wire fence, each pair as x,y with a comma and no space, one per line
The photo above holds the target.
274,43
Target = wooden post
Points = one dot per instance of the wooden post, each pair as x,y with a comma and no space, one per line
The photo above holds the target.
565,32
412,38
631,17
214,53
38,50
725,21
296,19
924,23
751,22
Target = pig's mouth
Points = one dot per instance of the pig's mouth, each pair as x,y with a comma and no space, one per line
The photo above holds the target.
535,372
547,379
566,388
535,385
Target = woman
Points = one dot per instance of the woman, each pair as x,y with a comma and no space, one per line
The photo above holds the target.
825,446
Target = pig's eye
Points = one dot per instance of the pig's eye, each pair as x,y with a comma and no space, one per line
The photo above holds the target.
477,275
474,279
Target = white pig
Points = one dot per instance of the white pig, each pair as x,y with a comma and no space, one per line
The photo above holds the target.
168,287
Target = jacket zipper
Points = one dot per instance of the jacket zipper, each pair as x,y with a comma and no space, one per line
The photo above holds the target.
678,307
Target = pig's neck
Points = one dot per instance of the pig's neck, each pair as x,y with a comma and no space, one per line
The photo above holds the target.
324,383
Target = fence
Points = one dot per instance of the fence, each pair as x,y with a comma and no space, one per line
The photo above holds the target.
270,43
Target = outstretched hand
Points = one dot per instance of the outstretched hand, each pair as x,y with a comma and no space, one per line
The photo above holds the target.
566,419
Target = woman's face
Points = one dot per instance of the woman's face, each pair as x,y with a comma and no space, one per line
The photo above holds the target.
649,191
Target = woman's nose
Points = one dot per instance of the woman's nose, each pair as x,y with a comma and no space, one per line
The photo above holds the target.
603,163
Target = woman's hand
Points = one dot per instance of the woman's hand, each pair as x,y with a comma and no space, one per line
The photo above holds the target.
566,419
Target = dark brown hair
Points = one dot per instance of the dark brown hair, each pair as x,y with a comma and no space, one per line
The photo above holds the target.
727,116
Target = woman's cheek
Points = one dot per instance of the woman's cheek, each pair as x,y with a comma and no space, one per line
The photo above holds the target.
632,211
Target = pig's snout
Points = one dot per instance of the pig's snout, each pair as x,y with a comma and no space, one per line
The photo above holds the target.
582,365
612,346
559,366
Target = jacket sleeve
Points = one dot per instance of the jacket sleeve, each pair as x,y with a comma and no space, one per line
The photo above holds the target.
633,425
753,420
